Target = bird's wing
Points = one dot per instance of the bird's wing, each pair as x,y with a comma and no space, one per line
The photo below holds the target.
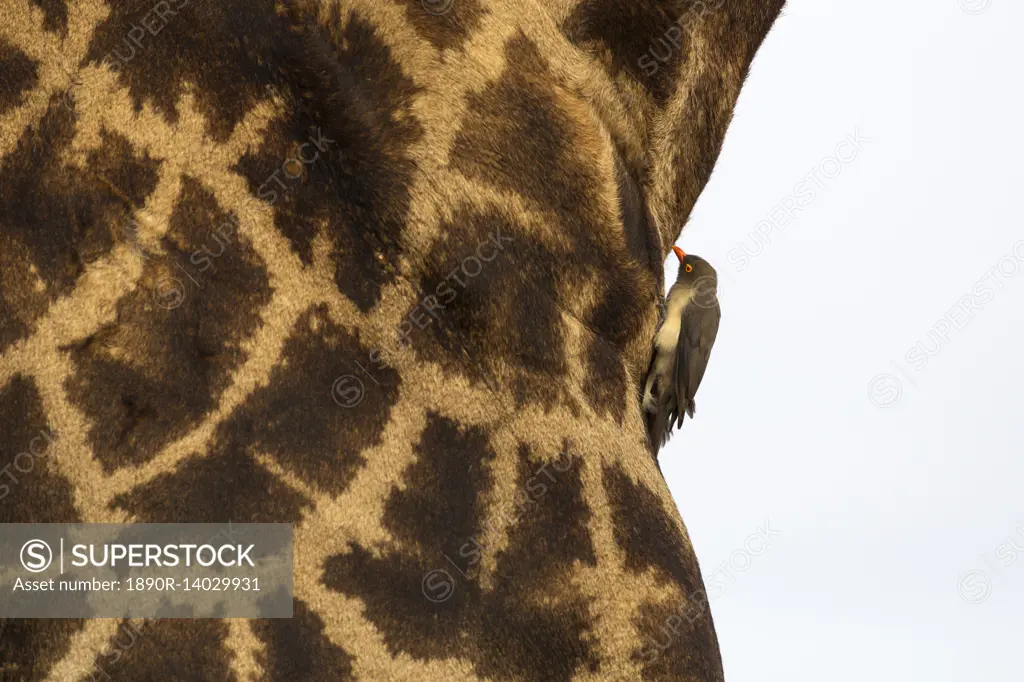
660,420
697,333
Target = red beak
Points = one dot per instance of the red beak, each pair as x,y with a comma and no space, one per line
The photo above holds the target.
680,254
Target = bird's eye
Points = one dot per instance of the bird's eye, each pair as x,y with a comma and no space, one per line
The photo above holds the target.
689,268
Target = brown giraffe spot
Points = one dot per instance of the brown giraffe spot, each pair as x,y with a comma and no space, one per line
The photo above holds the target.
646,534
349,127
20,74
155,372
678,642
225,485
21,300
56,218
442,503
619,317
446,24
182,650
391,589
516,137
311,423
55,13
29,647
677,639
159,52
554,517
489,307
299,418
533,625
624,304
605,383
439,508
549,538
646,39
298,650
32,491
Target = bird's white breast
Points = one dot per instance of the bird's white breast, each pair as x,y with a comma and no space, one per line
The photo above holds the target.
668,335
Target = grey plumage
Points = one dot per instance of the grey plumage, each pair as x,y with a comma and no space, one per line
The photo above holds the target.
682,348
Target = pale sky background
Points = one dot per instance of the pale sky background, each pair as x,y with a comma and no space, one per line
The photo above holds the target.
893,485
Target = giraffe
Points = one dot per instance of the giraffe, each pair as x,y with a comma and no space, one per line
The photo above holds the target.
386,270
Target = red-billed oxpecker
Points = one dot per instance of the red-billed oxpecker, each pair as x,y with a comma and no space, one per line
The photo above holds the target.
682,347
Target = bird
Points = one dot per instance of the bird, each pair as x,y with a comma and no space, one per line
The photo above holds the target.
681,348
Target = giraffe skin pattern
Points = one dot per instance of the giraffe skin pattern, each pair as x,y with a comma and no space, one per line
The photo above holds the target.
387,270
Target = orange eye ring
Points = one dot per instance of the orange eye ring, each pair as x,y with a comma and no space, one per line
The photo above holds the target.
689,268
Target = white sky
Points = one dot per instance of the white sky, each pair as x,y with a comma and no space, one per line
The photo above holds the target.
887,483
